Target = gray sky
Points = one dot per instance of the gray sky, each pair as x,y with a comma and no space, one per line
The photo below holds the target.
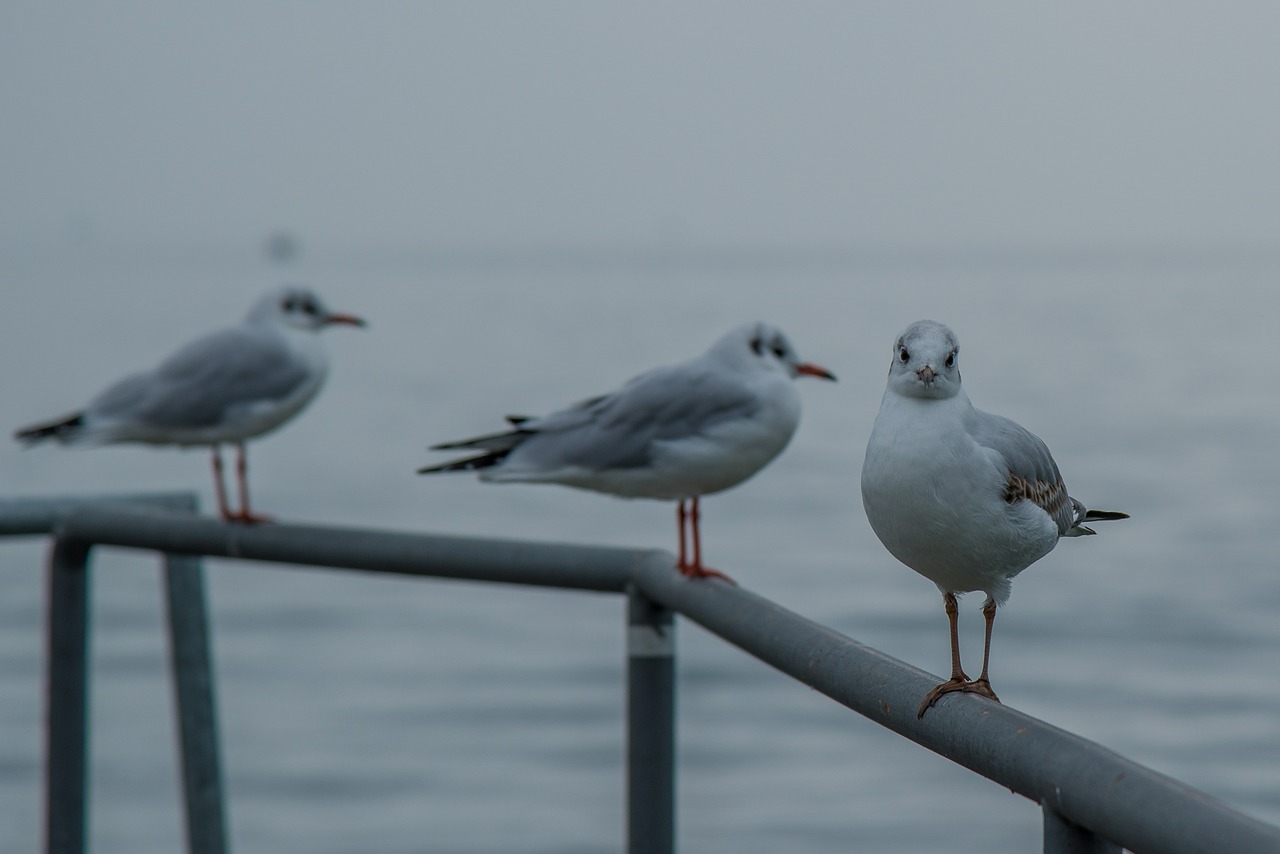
791,124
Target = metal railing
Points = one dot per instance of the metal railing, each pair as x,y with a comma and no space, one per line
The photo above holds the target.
1093,800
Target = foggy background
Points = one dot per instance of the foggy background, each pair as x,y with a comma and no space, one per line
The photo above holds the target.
531,203
449,127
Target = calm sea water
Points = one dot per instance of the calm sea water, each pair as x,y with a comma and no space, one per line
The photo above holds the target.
393,715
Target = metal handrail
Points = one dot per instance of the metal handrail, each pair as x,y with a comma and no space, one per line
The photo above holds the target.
1093,799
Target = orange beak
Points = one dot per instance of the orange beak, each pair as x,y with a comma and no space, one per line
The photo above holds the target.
348,319
808,369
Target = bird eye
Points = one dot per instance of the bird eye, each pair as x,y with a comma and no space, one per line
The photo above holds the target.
308,306
289,304
951,359
757,346
779,351
903,355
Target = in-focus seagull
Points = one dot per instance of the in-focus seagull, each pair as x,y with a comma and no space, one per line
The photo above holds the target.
675,433
965,498
228,386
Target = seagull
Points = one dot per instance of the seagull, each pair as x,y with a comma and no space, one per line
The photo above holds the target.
228,386
965,498
674,434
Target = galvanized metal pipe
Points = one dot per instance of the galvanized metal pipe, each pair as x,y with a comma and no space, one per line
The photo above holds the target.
67,702
1063,837
193,687
29,516
505,561
1075,780
1079,780
651,735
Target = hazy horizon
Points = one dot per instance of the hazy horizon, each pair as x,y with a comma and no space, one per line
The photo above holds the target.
575,124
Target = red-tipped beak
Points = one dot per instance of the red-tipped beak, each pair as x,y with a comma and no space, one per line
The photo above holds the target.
808,369
348,319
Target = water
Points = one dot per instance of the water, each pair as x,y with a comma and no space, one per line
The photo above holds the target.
396,715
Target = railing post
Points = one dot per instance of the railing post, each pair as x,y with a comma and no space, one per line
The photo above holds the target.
1064,837
650,726
67,686
190,659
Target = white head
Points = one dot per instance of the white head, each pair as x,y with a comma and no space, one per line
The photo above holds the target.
297,307
762,346
926,362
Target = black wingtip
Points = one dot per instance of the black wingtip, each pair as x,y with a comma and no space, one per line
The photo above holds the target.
469,464
1104,516
31,435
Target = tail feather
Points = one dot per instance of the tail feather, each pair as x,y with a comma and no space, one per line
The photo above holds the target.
493,442
62,430
477,463
1082,515
494,447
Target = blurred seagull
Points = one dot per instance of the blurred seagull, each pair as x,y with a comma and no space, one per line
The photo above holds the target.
228,386
674,433
965,498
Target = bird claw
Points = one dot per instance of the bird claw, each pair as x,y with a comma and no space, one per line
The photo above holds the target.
689,570
245,517
981,687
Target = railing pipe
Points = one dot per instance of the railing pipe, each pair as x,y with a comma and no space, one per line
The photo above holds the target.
66,713
193,687
27,516
1063,837
1079,780
1079,784
505,561
651,761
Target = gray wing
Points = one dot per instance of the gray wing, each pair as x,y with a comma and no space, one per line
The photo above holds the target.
619,430
1032,473
197,385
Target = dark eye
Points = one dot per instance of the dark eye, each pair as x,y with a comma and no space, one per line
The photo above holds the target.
289,304
903,355
308,306
779,351
757,346
951,359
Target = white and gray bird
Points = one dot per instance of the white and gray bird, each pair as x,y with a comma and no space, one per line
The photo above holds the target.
675,433
965,498
225,387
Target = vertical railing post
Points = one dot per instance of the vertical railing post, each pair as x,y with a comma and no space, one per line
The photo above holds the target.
191,662
1064,837
67,698
650,726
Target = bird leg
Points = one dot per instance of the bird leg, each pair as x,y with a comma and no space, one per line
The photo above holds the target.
220,488
695,569
982,685
959,681
680,517
245,516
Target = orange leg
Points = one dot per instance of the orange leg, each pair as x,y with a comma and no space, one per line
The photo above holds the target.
245,516
959,681
694,568
982,685
681,562
219,487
